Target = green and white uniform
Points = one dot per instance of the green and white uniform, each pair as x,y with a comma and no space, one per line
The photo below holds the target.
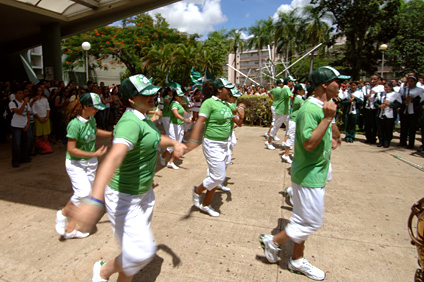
282,109
218,128
81,171
276,95
129,197
291,132
309,173
176,130
166,113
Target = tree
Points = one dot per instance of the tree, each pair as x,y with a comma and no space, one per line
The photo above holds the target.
365,24
259,40
406,50
317,30
125,44
236,45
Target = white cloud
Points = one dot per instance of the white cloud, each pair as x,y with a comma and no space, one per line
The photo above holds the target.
293,5
193,16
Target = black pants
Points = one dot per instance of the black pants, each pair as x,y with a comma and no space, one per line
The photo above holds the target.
20,145
408,127
370,125
385,130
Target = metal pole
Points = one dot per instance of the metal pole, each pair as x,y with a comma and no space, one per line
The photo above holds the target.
86,66
299,59
382,64
242,74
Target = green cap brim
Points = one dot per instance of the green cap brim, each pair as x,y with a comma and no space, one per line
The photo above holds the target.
150,90
100,106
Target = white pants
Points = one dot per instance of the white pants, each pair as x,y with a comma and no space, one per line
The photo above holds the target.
215,153
232,142
308,212
291,132
131,216
273,115
186,126
82,175
279,120
176,133
165,122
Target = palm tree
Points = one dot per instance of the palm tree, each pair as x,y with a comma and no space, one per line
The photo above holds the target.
236,45
186,56
286,32
317,30
258,40
159,60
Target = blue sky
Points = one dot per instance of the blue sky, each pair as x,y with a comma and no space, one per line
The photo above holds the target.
204,16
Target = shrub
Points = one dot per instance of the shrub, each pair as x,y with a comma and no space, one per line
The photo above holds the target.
258,109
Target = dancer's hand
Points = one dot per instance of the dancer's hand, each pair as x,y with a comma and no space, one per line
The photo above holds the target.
86,216
179,150
101,151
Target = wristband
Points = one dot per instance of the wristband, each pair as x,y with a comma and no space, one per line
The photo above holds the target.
193,141
97,200
93,202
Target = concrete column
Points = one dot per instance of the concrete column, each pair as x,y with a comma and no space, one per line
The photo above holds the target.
52,53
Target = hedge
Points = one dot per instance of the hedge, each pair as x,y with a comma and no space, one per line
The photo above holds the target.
258,109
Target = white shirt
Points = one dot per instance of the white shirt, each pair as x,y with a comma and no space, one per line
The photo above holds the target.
41,107
370,102
391,97
358,94
413,92
19,121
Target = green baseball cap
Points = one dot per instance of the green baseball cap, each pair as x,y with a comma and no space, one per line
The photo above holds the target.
222,82
179,91
299,86
279,81
137,85
325,74
289,78
92,99
235,92
173,85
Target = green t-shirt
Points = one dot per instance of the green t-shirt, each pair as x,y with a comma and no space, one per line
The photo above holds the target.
135,175
283,106
297,103
310,169
276,94
174,119
84,132
218,119
166,111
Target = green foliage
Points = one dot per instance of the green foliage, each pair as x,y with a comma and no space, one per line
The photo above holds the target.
366,24
406,50
258,109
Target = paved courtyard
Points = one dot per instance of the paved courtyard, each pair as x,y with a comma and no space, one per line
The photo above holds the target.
364,236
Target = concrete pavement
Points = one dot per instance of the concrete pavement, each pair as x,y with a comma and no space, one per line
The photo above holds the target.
364,236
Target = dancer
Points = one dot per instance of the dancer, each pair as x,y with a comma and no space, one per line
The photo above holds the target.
282,110
124,180
217,115
176,123
81,158
309,172
299,91
274,94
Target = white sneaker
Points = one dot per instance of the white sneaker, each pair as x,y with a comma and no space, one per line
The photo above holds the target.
266,135
76,235
307,269
271,250
276,138
269,146
196,198
162,160
286,159
96,272
173,166
209,210
288,193
60,223
223,188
